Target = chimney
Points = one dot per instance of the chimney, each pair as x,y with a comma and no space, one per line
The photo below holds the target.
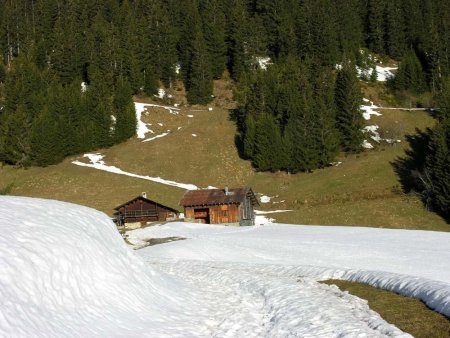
227,192
144,194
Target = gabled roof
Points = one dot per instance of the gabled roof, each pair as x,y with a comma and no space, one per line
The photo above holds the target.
146,200
217,197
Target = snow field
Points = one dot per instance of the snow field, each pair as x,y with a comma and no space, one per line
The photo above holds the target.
67,272
412,263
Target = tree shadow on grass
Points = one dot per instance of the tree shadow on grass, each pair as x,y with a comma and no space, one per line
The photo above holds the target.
411,170
409,167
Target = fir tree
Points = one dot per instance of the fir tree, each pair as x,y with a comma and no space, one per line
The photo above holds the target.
2,72
237,57
269,153
410,74
200,78
348,100
395,29
125,126
249,137
437,167
376,27
213,19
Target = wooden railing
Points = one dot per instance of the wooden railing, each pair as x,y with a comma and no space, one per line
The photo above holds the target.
140,213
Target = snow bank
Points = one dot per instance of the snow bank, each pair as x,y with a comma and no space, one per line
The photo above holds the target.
65,271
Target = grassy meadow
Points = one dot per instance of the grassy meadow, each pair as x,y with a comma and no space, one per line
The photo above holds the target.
408,314
363,190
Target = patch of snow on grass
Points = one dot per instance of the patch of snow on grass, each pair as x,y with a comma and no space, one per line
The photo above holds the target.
141,128
372,130
385,73
260,219
375,135
367,145
264,199
155,137
98,163
369,110
262,62
161,93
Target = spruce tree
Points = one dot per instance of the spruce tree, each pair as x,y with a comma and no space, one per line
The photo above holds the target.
269,152
125,126
199,85
349,117
237,57
376,26
249,137
213,19
2,72
46,148
395,29
437,167
410,75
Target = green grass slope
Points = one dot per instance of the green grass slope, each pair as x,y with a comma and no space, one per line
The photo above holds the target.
363,190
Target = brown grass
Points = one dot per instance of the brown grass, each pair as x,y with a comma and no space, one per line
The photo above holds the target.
408,314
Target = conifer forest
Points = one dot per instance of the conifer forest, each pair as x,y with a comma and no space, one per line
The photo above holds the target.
69,69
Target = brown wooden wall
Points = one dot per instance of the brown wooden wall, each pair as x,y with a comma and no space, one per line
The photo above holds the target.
217,214
158,212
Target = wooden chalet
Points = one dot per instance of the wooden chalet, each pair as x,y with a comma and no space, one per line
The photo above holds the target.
220,206
141,210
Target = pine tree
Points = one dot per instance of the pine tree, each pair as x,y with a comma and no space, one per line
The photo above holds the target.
410,75
443,99
437,167
395,29
237,57
16,132
348,100
213,19
376,27
269,152
199,85
350,26
249,137
125,126
46,148
2,72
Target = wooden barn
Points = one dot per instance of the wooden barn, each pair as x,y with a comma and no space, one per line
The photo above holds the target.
141,210
220,206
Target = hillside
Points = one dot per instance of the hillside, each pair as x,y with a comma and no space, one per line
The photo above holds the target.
362,190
